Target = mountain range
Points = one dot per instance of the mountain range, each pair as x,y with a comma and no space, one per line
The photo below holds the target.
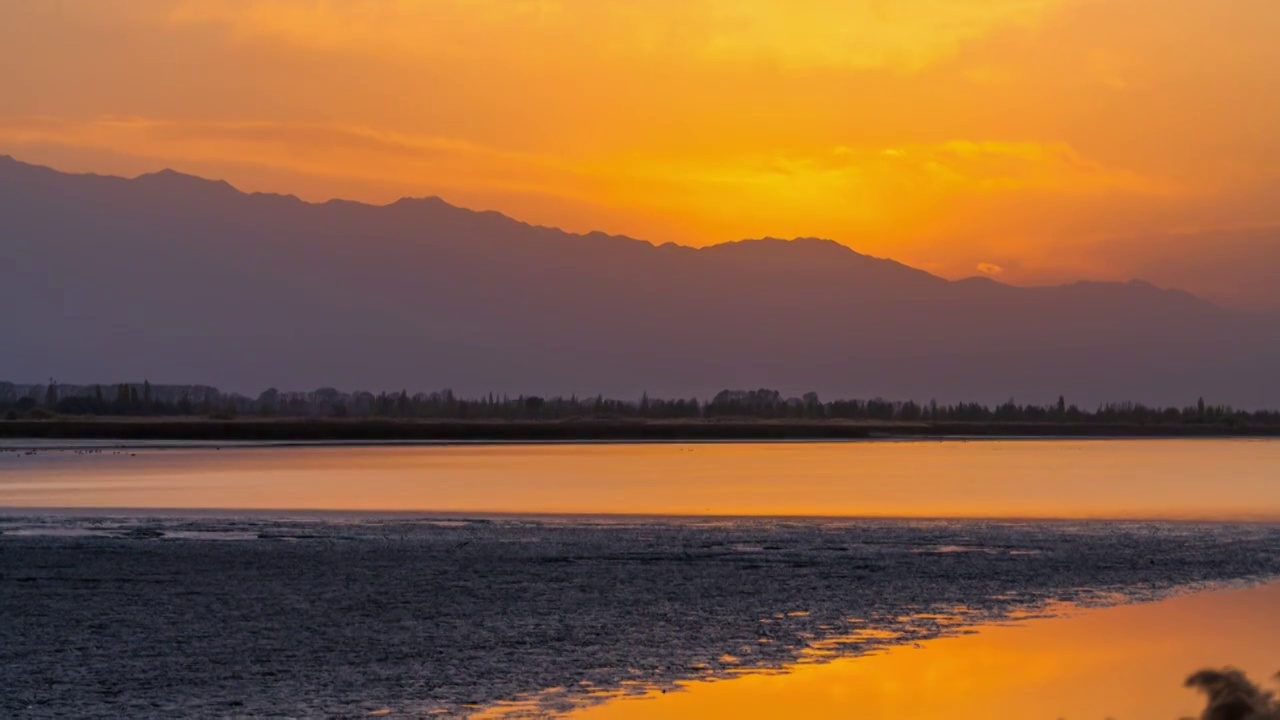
175,278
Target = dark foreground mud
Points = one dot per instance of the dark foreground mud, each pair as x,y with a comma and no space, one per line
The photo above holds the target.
342,616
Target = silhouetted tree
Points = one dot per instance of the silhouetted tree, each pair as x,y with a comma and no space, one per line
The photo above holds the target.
268,400
760,403
534,404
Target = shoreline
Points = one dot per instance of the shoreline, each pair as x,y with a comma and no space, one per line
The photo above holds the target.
17,513
22,445
197,432
1107,660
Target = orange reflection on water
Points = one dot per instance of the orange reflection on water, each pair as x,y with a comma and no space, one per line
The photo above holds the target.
1126,663
1109,478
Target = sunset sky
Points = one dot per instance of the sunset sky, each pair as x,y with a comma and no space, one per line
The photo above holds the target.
1034,140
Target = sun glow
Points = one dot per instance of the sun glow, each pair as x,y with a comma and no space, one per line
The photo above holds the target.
945,133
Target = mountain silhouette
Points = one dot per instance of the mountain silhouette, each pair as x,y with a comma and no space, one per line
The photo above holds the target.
180,279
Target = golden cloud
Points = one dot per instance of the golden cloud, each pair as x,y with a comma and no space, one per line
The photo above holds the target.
902,34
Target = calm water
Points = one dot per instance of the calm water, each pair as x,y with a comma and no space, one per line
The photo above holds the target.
1206,479
1120,662
184,582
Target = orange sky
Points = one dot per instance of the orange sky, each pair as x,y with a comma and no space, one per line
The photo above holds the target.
961,136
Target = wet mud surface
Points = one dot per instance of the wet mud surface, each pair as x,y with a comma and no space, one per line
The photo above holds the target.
257,616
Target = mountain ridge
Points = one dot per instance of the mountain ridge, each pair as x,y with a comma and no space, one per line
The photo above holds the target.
175,277
173,176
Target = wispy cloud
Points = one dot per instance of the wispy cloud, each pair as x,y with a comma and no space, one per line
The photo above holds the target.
865,188
309,148
903,35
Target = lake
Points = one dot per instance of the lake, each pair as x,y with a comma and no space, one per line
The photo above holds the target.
615,579
1126,662
1168,479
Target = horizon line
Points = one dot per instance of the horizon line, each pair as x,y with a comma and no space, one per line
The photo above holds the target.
798,239
586,398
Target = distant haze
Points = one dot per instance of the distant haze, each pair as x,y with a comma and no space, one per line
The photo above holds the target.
178,279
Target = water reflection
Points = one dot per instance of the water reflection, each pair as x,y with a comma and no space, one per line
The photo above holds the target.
1124,662
1112,478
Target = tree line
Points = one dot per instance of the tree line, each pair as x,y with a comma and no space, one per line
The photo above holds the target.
144,399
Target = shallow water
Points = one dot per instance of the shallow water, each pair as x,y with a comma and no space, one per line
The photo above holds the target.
1200,479
258,615
210,598
1119,662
